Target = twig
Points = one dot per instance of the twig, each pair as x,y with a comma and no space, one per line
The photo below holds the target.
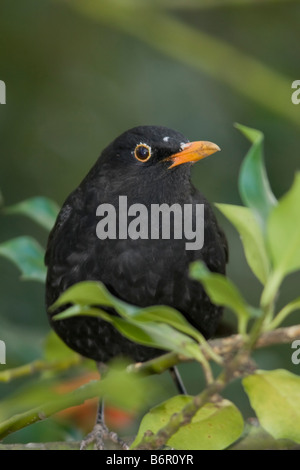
233,366
60,402
69,445
39,366
61,445
152,441
224,347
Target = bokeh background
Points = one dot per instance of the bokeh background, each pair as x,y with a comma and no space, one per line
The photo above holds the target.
78,73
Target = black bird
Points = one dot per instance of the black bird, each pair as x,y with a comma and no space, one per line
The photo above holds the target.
149,165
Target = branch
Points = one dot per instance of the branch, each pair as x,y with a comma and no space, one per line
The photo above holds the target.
224,347
68,445
237,363
60,402
152,441
261,440
39,366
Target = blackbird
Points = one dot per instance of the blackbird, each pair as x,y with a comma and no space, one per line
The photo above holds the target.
150,165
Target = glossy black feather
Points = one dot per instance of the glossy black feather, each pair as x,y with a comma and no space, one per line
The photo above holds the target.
141,272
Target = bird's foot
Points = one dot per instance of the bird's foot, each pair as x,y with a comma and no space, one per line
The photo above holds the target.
99,436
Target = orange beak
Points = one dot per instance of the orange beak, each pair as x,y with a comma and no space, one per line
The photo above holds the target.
193,152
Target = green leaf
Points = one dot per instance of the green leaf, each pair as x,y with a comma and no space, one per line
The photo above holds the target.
40,209
256,438
254,185
167,338
84,293
255,136
152,334
252,238
134,332
93,293
158,335
83,310
214,427
149,333
275,397
222,292
283,239
283,231
27,255
170,316
129,329
152,326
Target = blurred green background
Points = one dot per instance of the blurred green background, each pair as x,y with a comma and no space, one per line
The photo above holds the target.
79,73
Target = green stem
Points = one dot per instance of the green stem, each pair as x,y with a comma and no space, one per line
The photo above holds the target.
68,445
271,289
39,366
15,423
258,327
177,420
282,315
207,371
158,365
242,325
152,441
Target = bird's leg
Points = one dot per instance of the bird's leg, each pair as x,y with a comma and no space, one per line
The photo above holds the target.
178,380
101,433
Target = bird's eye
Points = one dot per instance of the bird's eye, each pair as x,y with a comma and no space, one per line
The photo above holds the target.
142,152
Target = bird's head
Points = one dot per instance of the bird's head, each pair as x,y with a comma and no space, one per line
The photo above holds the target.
141,157
155,147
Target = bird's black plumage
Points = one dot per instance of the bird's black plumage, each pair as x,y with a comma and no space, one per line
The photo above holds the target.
141,272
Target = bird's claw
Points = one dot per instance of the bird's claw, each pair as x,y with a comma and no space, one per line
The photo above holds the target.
99,435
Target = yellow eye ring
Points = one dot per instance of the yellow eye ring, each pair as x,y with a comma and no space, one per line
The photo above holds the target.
142,152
